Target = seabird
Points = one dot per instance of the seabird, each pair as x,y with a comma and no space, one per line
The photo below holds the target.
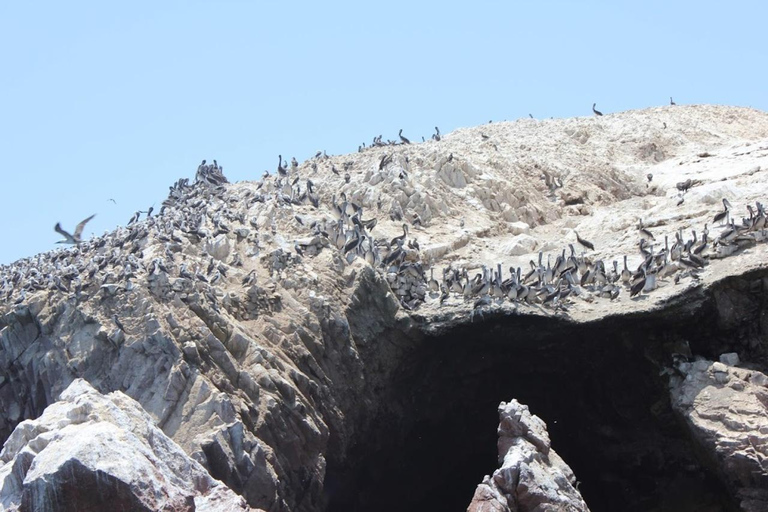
683,186
644,231
585,243
597,112
399,240
626,275
723,214
72,239
671,102
118,323
280,169
403,139
638,285
434,286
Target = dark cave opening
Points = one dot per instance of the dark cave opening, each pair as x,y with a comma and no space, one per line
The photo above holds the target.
598,387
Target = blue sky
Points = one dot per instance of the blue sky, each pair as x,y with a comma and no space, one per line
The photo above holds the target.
118,100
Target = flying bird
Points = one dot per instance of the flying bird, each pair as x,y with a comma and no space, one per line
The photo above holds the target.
75,238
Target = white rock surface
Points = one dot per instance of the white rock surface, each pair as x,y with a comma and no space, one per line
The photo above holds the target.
94,452
248,355
532,477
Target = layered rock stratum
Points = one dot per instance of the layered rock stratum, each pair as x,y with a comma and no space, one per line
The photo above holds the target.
294,349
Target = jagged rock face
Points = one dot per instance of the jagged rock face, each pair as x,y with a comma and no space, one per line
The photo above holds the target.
241,322
92,452
726,409
532,477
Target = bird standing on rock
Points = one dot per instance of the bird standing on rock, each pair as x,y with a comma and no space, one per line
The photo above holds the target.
585,243
597,112
403,139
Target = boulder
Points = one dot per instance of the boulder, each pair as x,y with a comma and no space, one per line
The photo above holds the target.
532,477
90,452
726,412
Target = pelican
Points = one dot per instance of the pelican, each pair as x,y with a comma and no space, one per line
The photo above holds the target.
72,239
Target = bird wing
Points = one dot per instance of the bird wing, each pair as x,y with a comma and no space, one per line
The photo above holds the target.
81,226
60,231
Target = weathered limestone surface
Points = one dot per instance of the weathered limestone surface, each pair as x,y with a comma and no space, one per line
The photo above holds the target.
90,452
726,410
532,477
262,349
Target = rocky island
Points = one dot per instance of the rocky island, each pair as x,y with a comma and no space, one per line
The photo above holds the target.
548,315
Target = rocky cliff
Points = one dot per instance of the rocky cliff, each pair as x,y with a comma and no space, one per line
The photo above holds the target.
339,335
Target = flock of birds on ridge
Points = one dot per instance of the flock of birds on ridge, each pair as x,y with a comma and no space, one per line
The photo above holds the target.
187,212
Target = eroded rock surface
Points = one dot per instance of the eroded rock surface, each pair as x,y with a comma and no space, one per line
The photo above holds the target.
725,407
90,452
532,477
256,339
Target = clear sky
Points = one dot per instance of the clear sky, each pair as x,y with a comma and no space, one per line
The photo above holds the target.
118,100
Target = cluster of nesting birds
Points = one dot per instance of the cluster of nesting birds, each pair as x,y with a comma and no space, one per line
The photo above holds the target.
212,174
574,274
112,262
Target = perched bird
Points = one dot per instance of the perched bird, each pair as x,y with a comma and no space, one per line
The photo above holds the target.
671,102
585,243
597,112
403,139
119,324
723,214
74,238
683,186
644,231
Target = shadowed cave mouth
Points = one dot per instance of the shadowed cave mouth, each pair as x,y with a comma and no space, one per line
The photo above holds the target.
597,386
